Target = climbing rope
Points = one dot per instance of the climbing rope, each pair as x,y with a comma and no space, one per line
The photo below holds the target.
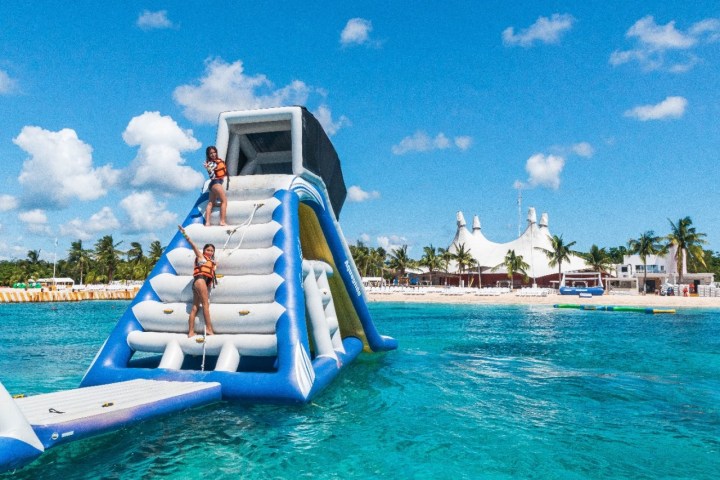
246,223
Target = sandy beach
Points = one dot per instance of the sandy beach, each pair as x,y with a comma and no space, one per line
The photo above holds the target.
655,301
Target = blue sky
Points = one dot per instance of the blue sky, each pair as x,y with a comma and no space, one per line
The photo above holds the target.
604,114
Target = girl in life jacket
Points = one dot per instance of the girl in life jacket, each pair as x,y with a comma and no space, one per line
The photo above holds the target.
216,169
203,281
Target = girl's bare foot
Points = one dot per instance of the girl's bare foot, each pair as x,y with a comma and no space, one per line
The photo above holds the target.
209,332
191,334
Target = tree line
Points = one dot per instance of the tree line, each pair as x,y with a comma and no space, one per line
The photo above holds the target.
101,264
106,262
377,262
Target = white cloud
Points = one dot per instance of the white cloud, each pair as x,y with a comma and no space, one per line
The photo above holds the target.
463,142
8,202
102,221
324,116
421,142
35,221
357,194
153,20
226,87
7,84
159,162
545,170
664,46
356,31
364,238
710,27
544,30
671,107
583,149
659,37
37,216
60,168
392,242
146,213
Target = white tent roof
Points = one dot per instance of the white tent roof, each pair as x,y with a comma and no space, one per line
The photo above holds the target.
490,254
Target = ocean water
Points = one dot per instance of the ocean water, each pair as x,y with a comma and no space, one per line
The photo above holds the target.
473,392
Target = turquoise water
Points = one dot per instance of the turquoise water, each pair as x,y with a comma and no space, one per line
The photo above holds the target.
473,392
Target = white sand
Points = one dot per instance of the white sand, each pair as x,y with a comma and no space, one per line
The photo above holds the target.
655,301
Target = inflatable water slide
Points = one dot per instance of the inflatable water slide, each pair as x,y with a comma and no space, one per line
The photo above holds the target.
288,310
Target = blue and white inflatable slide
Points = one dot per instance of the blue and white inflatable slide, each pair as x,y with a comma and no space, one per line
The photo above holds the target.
289,310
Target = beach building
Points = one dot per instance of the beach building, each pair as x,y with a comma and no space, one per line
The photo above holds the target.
490,255
659,270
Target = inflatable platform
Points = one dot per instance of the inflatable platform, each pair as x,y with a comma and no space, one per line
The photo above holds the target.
288,311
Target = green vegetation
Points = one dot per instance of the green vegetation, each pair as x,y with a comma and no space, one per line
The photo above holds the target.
103,264
375,262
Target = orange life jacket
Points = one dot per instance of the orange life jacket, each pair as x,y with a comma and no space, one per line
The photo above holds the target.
220,171
206,269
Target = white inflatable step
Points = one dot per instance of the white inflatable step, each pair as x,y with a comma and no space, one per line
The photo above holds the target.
243,261
226,318
255,236
230,289
240,211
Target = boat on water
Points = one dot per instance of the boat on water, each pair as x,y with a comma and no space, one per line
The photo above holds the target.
289,309
583,284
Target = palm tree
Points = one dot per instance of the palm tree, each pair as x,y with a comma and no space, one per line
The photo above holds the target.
688,244
647,244
376,261
446,257
617,253
431,260
33,265
399,261
598,259
463,258
558,253
513,263
360,254
107,255
138,262
156,251
80,257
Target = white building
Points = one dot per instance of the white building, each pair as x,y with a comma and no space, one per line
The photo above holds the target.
490,254
659,270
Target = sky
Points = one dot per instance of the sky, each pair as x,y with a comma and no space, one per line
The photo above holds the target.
602,114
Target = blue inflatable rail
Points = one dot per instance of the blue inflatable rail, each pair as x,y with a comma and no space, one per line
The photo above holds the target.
289,311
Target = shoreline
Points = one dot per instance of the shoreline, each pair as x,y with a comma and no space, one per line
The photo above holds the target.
16,295
656,301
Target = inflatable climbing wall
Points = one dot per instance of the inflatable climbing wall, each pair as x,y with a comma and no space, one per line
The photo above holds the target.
289,310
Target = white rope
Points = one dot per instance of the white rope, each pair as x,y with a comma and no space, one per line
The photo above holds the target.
202,364
246,223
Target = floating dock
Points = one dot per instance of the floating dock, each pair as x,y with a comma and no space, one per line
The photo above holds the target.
609,308
31,425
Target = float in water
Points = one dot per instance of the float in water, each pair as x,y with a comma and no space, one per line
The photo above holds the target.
610,308
583,284
289,310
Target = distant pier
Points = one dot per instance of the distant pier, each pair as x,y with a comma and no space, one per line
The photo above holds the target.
15,295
